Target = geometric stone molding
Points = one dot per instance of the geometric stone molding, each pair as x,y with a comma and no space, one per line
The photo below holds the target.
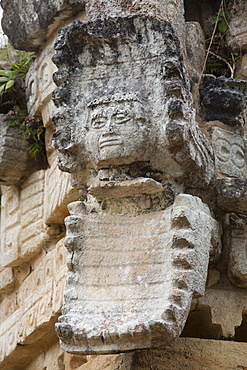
124,90
39,85
10,224
38,302
131,279
229,153
227,308
58,194
22,226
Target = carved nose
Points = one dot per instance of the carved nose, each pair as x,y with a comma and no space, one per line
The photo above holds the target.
110,128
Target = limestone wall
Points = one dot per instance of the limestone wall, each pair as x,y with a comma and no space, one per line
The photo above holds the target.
33,256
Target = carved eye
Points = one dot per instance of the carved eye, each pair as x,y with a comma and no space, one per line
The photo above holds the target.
223,150
121,117
238,156
98,122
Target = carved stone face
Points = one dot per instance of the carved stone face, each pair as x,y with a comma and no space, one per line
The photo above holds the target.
116,131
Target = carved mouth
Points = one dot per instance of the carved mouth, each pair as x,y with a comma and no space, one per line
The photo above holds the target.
110,142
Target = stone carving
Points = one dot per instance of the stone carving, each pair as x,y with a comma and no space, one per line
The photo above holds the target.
229,153
226,93
137,276
126,130
39,86
124,90
58,194
22,221
10,226
231,194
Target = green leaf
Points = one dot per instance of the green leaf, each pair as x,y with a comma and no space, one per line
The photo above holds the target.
6,73
4,79
222,26
9,84
2,88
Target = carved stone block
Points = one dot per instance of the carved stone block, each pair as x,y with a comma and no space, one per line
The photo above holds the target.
131,279
231,194
39,85
238,257
7,280
10,225
22,225
58,194
229,152
236,236
27,23
226,93
124,90
15,162
32,211
195,48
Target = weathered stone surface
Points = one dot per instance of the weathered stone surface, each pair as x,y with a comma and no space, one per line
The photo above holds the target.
129,188
121,294
231,194
227,308
183,353
15,162
237,32
195,49
229,150
58,194
39,85
7,280
40,298
168,10
119,109
236,236
226,93
29,23
22,223
10,225
243,69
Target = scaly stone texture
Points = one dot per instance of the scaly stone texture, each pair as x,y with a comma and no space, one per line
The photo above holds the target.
131,279
229,94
